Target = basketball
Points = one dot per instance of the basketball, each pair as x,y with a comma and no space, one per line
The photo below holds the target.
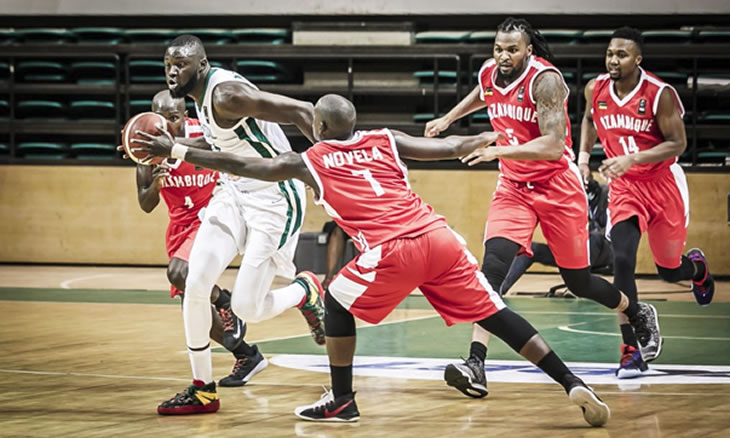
144,122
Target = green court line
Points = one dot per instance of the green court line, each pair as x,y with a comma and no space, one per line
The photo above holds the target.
88,296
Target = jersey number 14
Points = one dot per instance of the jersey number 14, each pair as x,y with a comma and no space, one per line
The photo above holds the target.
629,145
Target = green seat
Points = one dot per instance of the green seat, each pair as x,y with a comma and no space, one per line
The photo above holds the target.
568,75
92,109
597,154
44,109
262,35
263,71
94,151
42,150
93,72
480,117
715,157
99,35
714,35
562,36
667,36
598,36
219,64
4,149
4,71
150,36
481,37
715,118
442,37
212,36
7,36
44,35
444,77
190,108
587,76
673,77
137,106
41,71
146,71
424,117
4,108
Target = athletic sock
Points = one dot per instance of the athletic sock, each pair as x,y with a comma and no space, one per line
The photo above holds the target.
200,362
556,369
341,380
628,335
632,309
478,351
224,299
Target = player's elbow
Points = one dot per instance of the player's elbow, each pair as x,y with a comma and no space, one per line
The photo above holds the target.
556,150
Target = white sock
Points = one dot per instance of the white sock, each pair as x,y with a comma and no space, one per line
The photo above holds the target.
200,362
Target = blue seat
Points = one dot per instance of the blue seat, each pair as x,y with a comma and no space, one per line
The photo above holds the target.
41,71
99,35
92,109
147,71
44,35
40,109
262,35
42,150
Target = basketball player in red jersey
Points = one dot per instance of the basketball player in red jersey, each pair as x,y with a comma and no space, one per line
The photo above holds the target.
638,119
526,99
186,190
362,183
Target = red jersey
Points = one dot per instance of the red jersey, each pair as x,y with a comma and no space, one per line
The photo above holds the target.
363,185
512,111
628,125
187,188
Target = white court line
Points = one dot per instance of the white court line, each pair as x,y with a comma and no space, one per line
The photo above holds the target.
66,284
566,328
661,315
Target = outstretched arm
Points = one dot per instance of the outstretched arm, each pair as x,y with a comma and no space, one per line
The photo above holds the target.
671,126
453,146
235,100
468,105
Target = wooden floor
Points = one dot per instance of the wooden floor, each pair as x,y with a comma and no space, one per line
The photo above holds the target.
99,369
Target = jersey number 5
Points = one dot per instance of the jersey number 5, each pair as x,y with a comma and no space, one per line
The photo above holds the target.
377,188
629,146
188,202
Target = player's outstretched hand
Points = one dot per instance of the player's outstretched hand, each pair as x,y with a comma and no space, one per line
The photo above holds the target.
158,146
436,127
484,152
612,168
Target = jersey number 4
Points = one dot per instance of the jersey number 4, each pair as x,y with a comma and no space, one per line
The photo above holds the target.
630,146
377,188
189,202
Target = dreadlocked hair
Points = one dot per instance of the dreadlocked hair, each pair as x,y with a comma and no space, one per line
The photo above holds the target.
539,44
630,33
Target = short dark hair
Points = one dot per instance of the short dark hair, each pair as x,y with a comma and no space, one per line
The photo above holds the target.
534,37
630,33
188,40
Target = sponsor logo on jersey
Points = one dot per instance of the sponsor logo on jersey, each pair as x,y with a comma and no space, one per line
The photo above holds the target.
488,91
341,158
510,371
621,121
510,111
642,106
521,94
602,105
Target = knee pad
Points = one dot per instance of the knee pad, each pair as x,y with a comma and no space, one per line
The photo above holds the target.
510,327
338,322
669,275
577,281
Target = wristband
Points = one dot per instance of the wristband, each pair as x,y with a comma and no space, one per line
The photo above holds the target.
583,157
178,151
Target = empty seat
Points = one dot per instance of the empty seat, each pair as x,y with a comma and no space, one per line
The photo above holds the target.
45,35
94,151
92,109
261,35
424,117
137,106
667,36
42,150
717,157
146,71
211,36
99,35
714,118
4,71
41,71
481,37
600,36
480,117
444,77
93,72
4,109
597,153
263,71
4,149
442,37
676,78
7,36
714,35
45,109
150,36
562,36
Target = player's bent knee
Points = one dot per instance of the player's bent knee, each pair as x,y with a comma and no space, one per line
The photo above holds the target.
338,322
669,275
177,272
510,327
577,280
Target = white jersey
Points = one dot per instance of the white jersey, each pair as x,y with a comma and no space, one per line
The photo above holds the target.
247,138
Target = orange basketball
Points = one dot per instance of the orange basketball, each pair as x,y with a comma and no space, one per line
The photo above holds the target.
144,122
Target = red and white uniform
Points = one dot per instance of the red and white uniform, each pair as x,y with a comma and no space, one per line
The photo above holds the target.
363,185
186,190
546,191
656,193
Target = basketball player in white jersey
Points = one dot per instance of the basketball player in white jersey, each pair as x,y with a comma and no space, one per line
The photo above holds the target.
259,219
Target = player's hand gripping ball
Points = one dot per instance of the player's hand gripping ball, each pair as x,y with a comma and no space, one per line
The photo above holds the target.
145,122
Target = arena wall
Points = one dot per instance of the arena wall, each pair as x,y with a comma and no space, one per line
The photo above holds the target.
90,215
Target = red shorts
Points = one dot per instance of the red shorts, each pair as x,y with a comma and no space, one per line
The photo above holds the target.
437,262
661,203
558,204
179,241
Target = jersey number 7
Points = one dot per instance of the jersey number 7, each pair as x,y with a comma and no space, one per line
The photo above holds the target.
377,188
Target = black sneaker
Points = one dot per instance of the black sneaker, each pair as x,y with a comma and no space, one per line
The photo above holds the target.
704,289
330,409
233,329
197,398
312,308
595,411
467,377
646,327
244,369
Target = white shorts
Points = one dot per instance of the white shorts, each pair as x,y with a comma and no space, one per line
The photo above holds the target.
276,211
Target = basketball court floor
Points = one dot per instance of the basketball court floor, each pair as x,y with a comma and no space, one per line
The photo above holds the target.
90,352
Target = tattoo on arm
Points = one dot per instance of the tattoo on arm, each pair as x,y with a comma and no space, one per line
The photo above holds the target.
549,93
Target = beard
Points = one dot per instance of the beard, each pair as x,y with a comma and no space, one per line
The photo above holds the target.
183,90
508,76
